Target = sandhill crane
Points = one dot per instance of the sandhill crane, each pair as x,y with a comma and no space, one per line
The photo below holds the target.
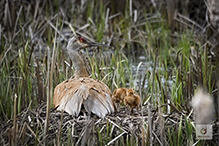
93,94
131,99
119,94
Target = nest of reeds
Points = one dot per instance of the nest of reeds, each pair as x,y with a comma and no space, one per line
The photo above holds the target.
121,128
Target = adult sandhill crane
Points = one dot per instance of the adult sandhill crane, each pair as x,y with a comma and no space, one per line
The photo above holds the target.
93,94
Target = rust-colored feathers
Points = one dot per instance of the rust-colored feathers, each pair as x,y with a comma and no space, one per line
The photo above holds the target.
126,96
119,94
131,99
71,94
94,95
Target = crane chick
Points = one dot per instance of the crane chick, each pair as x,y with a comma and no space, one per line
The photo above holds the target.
131,99
119,94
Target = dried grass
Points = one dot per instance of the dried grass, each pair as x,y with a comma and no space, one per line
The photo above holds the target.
115,129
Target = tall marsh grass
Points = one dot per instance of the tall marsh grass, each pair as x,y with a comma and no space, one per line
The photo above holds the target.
169,71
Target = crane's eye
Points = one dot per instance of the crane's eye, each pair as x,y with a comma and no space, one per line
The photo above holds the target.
82,40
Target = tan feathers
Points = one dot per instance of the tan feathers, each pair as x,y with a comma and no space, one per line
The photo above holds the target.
71,94
131,99
126,96
94,95
119,94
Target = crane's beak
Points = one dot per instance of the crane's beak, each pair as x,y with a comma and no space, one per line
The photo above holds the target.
97,44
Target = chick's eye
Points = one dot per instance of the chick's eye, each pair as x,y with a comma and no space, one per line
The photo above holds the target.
82,40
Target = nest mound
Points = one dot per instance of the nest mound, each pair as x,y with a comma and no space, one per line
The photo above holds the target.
119,128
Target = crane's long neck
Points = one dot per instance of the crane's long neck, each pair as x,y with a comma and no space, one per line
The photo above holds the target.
79,65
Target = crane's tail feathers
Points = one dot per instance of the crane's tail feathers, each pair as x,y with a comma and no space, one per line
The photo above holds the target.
110,102
98,105
72,102
94,101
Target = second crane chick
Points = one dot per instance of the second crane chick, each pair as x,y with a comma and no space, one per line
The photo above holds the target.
119,94
131,99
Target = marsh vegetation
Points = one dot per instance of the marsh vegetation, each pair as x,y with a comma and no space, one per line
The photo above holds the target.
163,57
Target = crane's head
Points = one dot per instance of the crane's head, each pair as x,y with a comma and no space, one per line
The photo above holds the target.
77,42
130,92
